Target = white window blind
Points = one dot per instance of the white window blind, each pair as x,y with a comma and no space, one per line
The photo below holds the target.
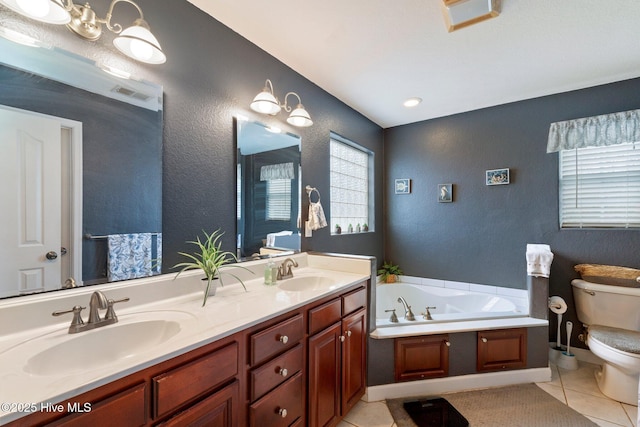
278,200
600,187
349,185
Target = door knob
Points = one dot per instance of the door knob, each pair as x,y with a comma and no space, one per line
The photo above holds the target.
51,255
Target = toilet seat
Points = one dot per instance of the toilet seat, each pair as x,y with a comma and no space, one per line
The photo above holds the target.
622,340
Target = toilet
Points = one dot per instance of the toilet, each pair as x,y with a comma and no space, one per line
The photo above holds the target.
611,316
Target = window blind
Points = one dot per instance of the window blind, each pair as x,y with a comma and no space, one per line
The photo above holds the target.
278,200
600,187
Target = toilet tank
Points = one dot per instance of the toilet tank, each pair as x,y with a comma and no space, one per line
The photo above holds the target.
607,305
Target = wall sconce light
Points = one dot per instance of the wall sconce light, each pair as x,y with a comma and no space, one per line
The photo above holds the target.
266,103
136,41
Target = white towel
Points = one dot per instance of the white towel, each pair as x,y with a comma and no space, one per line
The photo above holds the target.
316,216
539,258
129,256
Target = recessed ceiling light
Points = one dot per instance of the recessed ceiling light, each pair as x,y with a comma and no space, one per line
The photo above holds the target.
412,102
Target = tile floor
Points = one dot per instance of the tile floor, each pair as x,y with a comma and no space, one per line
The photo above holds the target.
578,389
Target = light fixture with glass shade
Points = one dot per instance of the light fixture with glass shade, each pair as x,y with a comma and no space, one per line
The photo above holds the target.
266,103
135,41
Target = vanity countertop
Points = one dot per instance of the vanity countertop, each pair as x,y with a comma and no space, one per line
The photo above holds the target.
36,366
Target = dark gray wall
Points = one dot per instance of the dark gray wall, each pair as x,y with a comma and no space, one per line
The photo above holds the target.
481,237
212,74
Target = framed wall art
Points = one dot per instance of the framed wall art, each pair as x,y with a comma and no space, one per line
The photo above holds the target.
403,186
445,193
497,176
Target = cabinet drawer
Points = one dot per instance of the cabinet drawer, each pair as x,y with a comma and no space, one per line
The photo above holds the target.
281,407
275,372
354,301
324,315
175,387
125,408
276,339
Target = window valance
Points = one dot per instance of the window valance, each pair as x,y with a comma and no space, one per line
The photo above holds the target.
596,131
278,171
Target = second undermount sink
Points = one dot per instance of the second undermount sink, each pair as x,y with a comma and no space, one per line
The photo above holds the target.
306,283
99,347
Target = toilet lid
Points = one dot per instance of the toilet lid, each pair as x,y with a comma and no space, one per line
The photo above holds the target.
620,339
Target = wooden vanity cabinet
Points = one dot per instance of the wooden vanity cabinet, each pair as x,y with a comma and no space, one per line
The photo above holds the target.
337,357
502,349
276,382
420,358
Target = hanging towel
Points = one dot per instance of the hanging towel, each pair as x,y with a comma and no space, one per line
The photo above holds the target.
539,258
316,216
129,256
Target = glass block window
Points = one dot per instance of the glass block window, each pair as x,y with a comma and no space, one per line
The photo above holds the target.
600,187
351,186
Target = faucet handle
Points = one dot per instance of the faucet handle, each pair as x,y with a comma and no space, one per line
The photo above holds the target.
77,319
427,315
111,314
394,317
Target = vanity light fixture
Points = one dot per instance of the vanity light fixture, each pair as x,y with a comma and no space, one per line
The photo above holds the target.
462,13
135,41
266,103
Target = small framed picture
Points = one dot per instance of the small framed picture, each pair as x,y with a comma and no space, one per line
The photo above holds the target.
403,186
497,176
445,193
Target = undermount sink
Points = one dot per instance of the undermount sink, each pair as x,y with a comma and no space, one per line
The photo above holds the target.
306,283
102,346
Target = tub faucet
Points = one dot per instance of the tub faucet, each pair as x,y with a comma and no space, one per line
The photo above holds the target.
408,314
284,271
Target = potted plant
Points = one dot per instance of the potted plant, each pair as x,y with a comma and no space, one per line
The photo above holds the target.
350,228
358,229
389,272
211,259
338,229
365,227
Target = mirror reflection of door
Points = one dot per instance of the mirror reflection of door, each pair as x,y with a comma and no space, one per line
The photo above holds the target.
37,201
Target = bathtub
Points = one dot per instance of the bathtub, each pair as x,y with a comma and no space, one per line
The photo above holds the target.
451,305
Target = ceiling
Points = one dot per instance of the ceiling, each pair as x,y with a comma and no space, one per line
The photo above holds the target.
374,54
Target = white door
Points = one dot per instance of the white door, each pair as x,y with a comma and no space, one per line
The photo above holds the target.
30,203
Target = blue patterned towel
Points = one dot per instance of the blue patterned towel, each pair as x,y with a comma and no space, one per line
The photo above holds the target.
130,256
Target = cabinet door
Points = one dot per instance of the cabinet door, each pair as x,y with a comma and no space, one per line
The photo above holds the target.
421,357
218,410
502,349
324,377
353,359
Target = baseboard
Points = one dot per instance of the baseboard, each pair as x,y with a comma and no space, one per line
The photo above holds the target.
455,384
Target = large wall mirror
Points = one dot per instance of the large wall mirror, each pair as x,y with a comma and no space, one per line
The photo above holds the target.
268,190
81,165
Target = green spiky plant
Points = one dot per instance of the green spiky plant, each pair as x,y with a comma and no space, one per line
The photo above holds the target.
211,259
389,272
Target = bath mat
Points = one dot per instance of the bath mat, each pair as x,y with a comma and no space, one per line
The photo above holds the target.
434,413
523,405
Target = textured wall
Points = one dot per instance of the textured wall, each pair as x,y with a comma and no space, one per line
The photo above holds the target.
481,237
212,74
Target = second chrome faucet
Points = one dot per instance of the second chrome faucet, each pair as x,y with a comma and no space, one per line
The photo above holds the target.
97,302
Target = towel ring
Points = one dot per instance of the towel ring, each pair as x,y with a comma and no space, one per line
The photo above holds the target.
311,190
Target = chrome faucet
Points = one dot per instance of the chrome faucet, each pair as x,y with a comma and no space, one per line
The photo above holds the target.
97,302
408,314
284,270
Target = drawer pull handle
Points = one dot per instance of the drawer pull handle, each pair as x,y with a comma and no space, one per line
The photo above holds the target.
341,338
447,343
283,372
282,412
484,339
348,333
284,339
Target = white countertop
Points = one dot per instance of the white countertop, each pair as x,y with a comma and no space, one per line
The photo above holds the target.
229,311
